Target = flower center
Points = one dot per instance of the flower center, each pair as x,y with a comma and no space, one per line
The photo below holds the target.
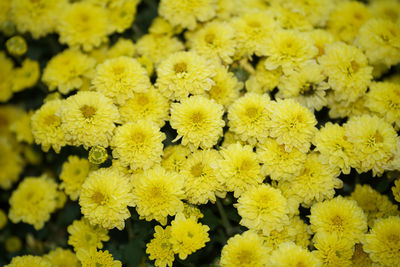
197,170
52,120
209,38
88,111
142,100
98,197
180,67
117,70
251,112
197,117
138,137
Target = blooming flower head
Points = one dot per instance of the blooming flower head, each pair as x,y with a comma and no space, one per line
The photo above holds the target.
187,235
88,119
239,168
339,216
187,14
83,235
67,70
249,117
263,80
245,250
157,194
6,82
174,157
292,125
289,254
62,257
138,144
160,247
11,164
29,260
333,250
33,201
122,15
184,73
321,38
94,258
27,75
119,78
198,121
263,208
73,174
289,19
105,197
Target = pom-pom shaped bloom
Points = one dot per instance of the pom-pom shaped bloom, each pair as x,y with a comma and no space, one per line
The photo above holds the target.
374,141
245,250
383,242
239,168
138,144
29,260
68,70
339,216
33,201
157,194
198,121
27,75
263,208
174,157
332,250
46,126
11,164
62,257
292,125
119,78
263,80
73,174
6,81
22,127
94,257
105,197
84,24
289,254
187,235
184,73
83,235
249,117
88,119
187,14
160,247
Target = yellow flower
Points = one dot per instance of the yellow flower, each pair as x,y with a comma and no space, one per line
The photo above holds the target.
289,254
94,258
321,38
239,168
97,155
28,260
187,14
249,117
22,127
184,73
382,243
88,119
198,121
263,80
73,174
160,26
11,164
202,182
83,235
83,24
187,235
190,210
292,125
33,201
68,70
160,247
263,208
290,20
386,9
138,144
246,250
62,257
6,78
122,15
119,78
27,75
332,250
13,244
174,157
123,47
339,216
3,219
105,197
157,194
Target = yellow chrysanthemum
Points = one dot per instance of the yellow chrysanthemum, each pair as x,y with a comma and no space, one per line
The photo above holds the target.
73,174
374,204
289,254
246,250
293,125
321,38
26,76
28,260
187,235
105,197
33,201
97,155
84,24
119,78
94,258
332,250
88,119
183,74
202,182
6,81
190,210
157,194
138,144
263,80
123,47
83,235
187,14
240,169
386,9
339,216
374,141
383,242
347,69
150,105
22,127
290,20
160,247
174,157
67,70
249,117
11,164
263,208
3,219
341,109
122,15
160,26
62,257
198,121
289,50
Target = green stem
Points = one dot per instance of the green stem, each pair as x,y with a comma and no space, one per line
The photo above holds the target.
225,220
